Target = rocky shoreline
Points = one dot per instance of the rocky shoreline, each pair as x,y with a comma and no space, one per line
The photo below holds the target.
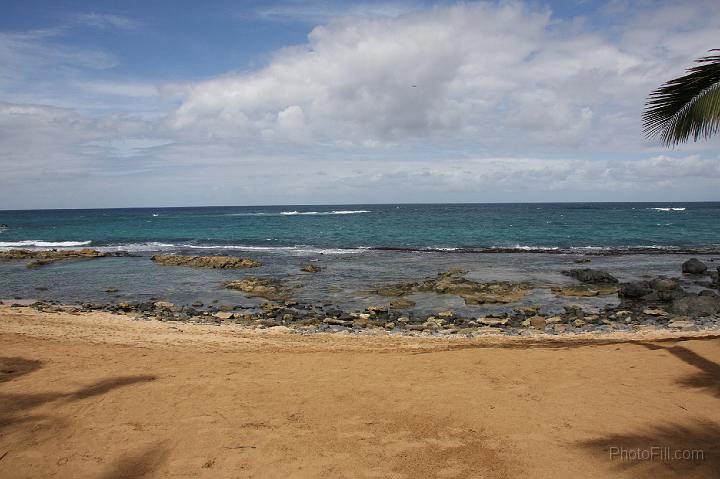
308,319
657,303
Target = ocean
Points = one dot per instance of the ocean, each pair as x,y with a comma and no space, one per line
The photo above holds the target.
359,247
564,227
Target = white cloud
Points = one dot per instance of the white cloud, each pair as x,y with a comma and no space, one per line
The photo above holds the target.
38,141
498,74
320,12
104,21
201,174
123,89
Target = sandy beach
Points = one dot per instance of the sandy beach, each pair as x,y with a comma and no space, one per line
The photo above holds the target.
100,395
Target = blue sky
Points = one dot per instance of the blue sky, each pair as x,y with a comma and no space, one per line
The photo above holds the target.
159,103
162,40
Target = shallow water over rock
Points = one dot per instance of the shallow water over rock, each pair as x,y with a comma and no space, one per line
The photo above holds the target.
352,282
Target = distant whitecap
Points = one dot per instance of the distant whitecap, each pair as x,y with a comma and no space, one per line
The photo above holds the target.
43,244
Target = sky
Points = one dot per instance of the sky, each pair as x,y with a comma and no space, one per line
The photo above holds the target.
185,103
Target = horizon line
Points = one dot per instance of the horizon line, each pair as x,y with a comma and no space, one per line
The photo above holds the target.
362,204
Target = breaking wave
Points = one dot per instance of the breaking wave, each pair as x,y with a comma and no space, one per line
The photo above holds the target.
155,246
336,212
43,244
172,247
303,213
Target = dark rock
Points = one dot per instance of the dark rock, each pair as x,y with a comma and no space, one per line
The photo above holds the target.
667,296
162,306
708,293
575,311
311,268
146,306
700,305
694,266
588,275
663,283
634,290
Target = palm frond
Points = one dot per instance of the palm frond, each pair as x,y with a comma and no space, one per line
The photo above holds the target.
686,107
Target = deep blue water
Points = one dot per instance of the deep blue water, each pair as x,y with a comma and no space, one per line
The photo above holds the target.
292,228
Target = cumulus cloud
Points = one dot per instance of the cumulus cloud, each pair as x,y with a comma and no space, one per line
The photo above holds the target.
499,74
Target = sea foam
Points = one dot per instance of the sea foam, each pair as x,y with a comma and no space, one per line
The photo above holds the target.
335,212
43,244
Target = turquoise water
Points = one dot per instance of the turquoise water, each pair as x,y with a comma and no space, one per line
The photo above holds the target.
359,249
334,228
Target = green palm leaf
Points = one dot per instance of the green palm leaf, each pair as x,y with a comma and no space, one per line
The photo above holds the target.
686,106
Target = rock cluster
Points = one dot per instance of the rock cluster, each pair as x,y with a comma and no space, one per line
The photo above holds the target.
454,282
309,318
219,262
44,257
592,276
268,288
658,303
668,293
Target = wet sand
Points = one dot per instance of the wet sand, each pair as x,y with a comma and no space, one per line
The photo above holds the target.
99,395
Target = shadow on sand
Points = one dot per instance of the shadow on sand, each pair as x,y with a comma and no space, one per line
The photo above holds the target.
16,411
13,406
708,376
703,436
677,461
13,367
559,342
137,465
